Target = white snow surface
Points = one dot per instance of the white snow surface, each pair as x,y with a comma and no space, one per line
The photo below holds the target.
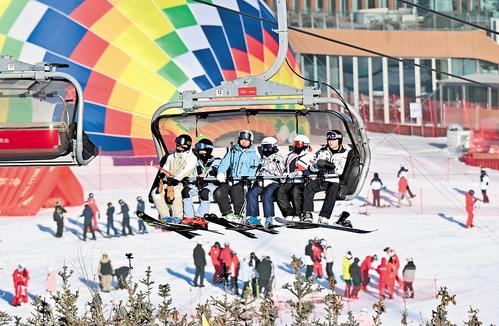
445,253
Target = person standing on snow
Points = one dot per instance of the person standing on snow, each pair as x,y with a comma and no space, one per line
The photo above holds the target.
402,187
354,270
59,218
95,211
87,222
391,277
125,223
317,250
199,262
402,172
50,281
272,165
330,159
395,261
20,278
246,275
265,275
181,164
253,262
234,273
216,261
347,260
241,160
207,165
328,257
470,204
106,273
364,269
309,259
408,275
383,273
484,184
110,219
141,206
226,258
376,185
290,194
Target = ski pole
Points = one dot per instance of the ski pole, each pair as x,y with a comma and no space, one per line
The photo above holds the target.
157,166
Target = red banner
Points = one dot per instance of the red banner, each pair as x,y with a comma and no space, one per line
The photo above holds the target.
22,139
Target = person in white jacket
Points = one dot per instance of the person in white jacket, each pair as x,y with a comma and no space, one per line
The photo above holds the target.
328,257
484,184
246,275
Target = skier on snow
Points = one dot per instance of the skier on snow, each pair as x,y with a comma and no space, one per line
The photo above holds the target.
376,185
470,203
356,278
484,184
199,262
317,250
226,258
95,211
20,278
347,260
234,273
126,218
364,269
408,275
402,172
141,206
87,221
216,261
59,218
329,257
110,219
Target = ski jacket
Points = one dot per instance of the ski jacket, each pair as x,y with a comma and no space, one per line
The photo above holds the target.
141,206
484,181
239,162
299,161
346,268
226,256
208,168
93,205
234,266
246,273
409,272
339,158
403,184
309,251
105,267
272,165
395,261
199,256
110,212
354,270
58,213
87,215
317,252
265,269
20,277
254,261
391,272
328,254
124,210
181,165
215,255
367,264
470,202
376,184
383,272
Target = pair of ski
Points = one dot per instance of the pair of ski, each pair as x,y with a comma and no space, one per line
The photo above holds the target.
242,228
309,225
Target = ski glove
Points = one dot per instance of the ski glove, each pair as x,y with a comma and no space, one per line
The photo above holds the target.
221,177
213,171
173,182
325,165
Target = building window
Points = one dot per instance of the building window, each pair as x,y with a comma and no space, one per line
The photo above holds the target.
394,91
308,68
409,87
334,72
426,82
377,76
322,71
348,78
442,65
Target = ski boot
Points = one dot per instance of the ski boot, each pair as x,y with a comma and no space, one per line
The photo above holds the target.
269,222
174,220
254,220
323,220
306,217
343,220
231,217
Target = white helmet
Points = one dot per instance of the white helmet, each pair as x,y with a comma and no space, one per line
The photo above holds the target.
269,145
301,141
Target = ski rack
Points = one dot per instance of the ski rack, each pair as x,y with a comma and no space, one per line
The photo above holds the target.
75,148
259,91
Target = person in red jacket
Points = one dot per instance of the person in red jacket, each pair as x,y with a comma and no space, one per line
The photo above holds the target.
317,250
470,203
234,273
217,263
395,261
20,278
364,270
226,259
95,210
391,276
383,277
403,184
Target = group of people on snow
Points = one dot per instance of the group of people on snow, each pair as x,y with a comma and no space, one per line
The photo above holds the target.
256,275
247,174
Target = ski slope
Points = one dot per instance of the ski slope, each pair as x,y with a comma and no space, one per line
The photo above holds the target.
430,231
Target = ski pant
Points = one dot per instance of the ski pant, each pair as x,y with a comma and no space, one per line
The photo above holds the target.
355,291
410,192
365,278
290,199
318,268
267,193
226,194
234,288
142,226
246,285
225,274
315,186
408,290
110,225
199,275
402,195
217,274
329,270
177,202
376,198
88,226
204,200
20,294
348,284
254,286
60,227
309,271
106,281
264,285
485,197
469,221
126,225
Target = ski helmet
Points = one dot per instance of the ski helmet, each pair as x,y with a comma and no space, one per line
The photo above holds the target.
301,141
334,134
246,134
471,192
91,195
204,145
139,198
184,141
269,145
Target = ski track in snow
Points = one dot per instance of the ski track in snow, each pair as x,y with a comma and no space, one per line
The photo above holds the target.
445,253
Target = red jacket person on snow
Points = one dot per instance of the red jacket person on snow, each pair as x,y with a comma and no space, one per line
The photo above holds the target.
470,203
20,278
317,250
95,210
364,269
216,261
226,259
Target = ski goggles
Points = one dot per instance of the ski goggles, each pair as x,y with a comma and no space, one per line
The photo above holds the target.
246,135
332,135
182,141
267,147
203,147
299,144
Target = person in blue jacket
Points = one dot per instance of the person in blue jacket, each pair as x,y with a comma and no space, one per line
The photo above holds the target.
241,160
141,206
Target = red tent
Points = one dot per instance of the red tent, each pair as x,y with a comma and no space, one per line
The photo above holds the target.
24,190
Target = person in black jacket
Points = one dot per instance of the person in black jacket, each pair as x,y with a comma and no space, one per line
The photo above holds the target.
106,272
309,262
265,274
126,218
87,222
254,262
200,262
356,277
110,219
59,218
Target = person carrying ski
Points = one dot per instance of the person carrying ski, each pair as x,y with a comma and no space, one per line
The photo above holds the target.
226,258
317,250
402,172
110,219
402,191
330,159
272,164
106,273
95,211
408,275
20,278
290,193
484,184
181,164
59,218
354,270
87,221
329,258
241,160
207,166
376,185
199,262
470,203
364,269
141,206
216,262
234,273
347,260
126,218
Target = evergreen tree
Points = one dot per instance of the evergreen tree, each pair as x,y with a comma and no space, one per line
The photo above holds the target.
439,316
5,319
379,308
42,315
268,313
96,317
473,318
66,310
351,320
334,305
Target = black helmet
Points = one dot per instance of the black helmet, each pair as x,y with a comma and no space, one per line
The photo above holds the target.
246,134
184,141
91,195
204,145
472,192
335,134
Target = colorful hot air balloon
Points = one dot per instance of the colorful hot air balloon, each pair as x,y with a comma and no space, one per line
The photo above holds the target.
132,56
